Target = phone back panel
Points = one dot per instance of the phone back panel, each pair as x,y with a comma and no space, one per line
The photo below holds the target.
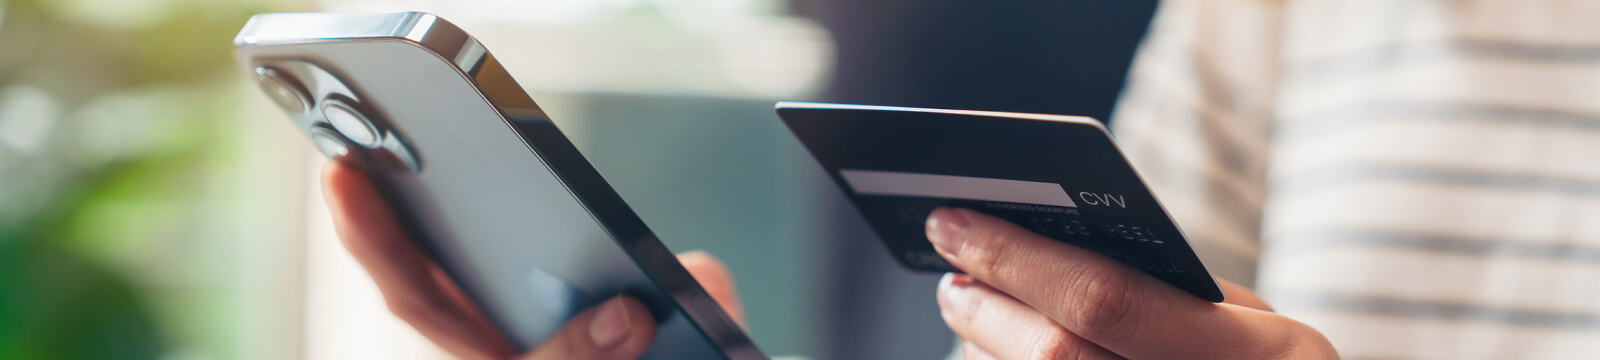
484,181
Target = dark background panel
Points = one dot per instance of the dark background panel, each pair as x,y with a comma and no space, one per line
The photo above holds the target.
1055,57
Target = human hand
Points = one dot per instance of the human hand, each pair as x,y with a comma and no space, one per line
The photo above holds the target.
417,290
1025,296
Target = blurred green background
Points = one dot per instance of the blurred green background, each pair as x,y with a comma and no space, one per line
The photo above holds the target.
116,175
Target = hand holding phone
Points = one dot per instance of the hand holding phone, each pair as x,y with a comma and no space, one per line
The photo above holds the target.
482,183
417,290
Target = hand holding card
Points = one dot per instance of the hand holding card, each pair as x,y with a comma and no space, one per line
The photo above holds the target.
1067,255
1061,177
1031,297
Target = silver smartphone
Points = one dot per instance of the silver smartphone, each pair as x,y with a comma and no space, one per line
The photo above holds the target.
480,176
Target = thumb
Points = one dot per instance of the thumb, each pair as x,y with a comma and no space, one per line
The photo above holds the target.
620,328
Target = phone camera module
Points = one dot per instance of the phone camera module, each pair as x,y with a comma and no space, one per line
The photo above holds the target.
284,91
351,123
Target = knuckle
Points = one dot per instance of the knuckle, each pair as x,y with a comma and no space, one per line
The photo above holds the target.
1299,341
955,318
992,253
353,243
1103,303
412,310
962,316
1056,345
368,247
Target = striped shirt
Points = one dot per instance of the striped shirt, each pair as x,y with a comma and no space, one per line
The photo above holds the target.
1415,179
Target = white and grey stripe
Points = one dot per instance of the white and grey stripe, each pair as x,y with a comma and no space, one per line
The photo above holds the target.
1417,179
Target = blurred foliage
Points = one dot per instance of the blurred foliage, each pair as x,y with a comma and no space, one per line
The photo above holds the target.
112,122
56,306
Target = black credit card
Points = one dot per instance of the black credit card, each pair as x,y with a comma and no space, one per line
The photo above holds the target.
1061,176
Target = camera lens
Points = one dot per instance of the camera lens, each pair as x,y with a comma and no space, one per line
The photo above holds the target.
283,91
351,123
329,142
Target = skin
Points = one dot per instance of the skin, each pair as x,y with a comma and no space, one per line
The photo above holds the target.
417,290
1026,296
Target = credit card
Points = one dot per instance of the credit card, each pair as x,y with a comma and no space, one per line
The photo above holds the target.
1061,176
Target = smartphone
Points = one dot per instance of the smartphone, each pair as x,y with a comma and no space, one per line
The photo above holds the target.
1061,176
480,176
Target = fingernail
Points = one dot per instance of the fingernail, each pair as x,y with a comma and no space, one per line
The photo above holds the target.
960,280
947,229
951,288
610,325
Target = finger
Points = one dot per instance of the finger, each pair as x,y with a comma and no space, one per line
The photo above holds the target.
1005,327
716,279
443,281
620,328
1242,296
970,351
1125,311
404,274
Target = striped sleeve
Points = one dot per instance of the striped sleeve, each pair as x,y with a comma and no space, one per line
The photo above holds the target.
1435,178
